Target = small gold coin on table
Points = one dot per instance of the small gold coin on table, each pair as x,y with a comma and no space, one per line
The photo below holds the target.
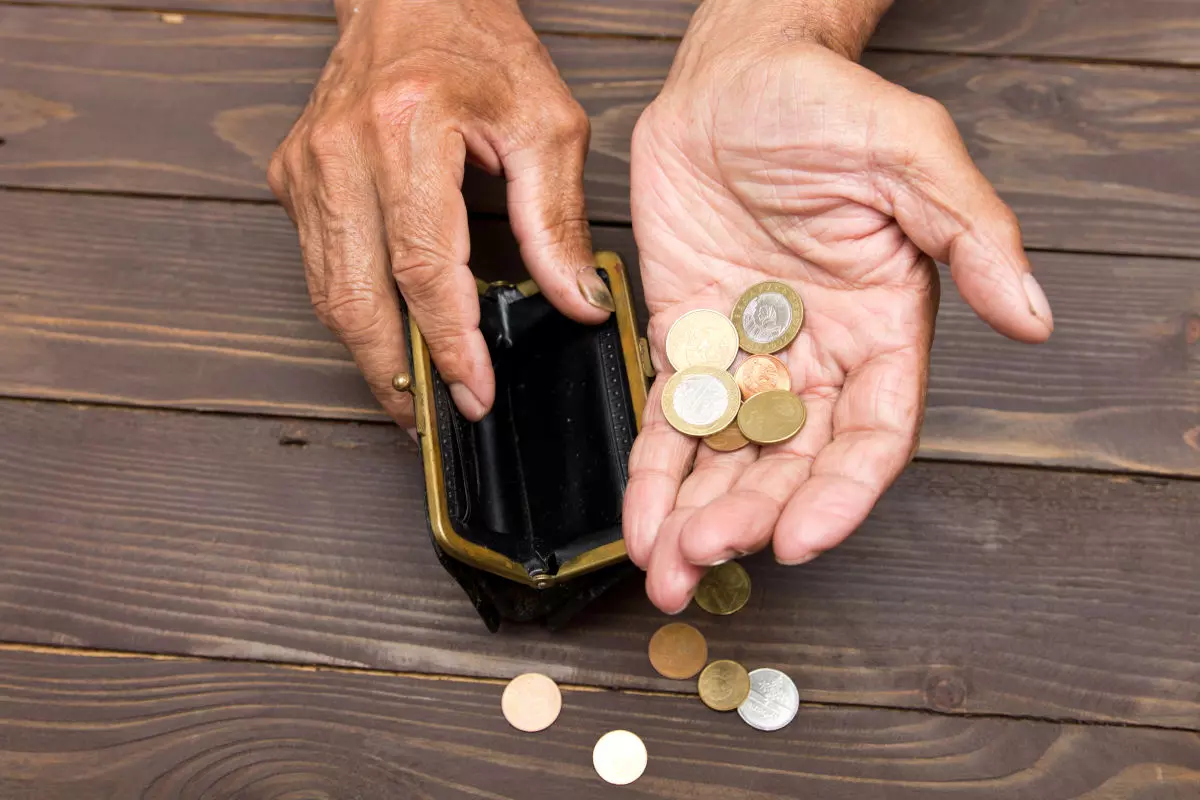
724,589
772,417
761,373
727,440
700,401
678,651
702,338
768,317
619,757
724,685
531,702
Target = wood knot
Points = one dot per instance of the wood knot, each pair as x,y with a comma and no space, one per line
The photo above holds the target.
946,690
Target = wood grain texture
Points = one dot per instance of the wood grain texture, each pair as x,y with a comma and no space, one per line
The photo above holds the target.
73,726
184,730
202,305
1095,158
971,589
1161,31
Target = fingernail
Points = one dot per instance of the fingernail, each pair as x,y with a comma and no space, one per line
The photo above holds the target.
594,290
412,434
467,402
1039,306
683,607
794,562
717,563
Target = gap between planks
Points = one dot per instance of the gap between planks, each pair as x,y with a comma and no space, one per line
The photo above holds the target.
79,652
1124,475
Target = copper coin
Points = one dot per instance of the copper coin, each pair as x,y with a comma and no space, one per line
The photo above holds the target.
678,651
531,702
762,373
728,439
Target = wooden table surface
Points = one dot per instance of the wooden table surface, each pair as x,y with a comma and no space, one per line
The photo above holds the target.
214,576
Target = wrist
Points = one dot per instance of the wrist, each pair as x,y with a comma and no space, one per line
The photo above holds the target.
842,26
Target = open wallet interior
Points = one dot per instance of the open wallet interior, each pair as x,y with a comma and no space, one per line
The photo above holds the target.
540,480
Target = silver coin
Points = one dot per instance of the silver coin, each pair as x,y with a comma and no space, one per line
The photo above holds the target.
767,317
700,400
773,700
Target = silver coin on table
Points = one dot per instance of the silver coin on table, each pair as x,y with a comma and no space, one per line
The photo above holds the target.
773,700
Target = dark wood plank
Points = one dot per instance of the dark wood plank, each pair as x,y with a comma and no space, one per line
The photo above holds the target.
1093,158
202,305
1161,31
971,589
184,729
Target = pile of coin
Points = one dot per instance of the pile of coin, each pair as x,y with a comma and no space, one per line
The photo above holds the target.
754,403
765,699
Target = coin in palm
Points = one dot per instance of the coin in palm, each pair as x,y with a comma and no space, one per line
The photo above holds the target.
767,317
700,401
702,338
772,417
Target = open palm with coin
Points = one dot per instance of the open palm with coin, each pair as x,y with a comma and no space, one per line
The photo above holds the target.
776,159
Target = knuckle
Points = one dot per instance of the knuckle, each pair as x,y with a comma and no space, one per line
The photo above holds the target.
357,317
329,140
568,123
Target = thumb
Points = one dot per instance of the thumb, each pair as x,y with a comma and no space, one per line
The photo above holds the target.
549,218
948,208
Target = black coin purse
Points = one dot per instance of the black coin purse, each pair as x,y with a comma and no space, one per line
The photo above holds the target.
524,506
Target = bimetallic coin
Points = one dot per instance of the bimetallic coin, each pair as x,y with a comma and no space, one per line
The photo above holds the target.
761,373
700,401
727,440
702,338
773,701
531,702
767,317
772,417
678,651
724,589
724,685
619,757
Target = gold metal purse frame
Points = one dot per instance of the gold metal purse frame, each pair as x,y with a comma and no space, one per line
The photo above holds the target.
637,366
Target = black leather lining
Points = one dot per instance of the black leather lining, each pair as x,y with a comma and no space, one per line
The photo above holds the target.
541,479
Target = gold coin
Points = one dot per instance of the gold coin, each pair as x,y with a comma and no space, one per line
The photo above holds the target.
772,417
531,702
619,757
702,338
678,651
727,439
724,589
761,373
768,317
700,401
724,685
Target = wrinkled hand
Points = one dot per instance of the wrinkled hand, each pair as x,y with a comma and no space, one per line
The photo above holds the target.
793,163
372,174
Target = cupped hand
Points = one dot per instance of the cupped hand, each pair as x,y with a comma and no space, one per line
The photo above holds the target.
790,162
372,176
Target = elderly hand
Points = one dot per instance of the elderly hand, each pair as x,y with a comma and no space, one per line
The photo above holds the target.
372,174
770,156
